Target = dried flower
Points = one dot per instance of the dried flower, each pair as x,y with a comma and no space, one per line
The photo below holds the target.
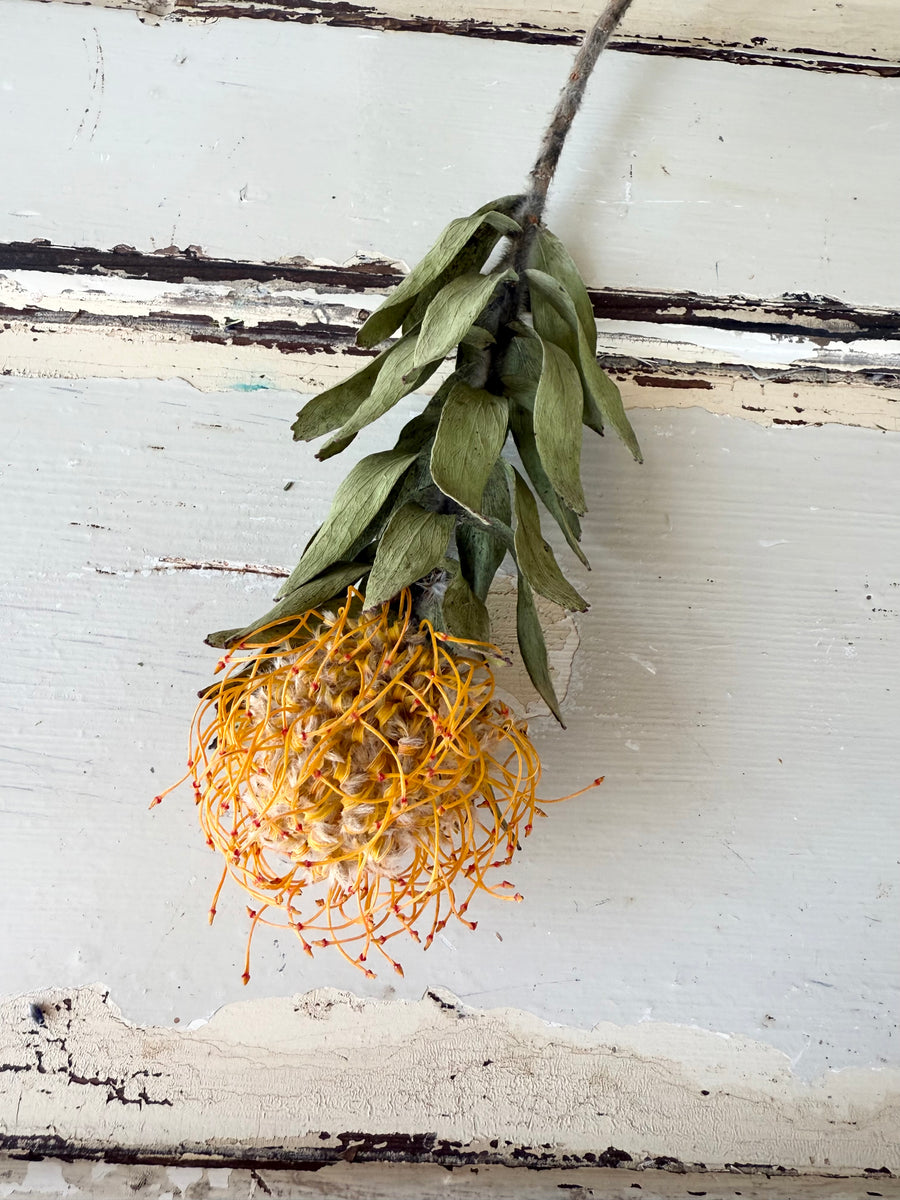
354,767
360,778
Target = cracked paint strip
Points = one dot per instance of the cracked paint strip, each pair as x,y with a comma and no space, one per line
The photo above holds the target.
861,38
288,1078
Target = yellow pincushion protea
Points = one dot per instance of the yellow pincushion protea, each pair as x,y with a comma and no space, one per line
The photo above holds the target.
360,778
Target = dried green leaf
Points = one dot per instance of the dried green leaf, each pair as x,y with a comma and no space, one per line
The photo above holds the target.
482,550
533,648
551,256
465,615
521,370
520,423
450,244
356,503
421,428
337,404
413,543
552,312
469,439
478,338
298,601
472,257
398,377
606,401
558,405
453,311
534,555
602,400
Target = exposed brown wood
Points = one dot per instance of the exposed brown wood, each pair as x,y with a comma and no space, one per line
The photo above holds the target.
789,315
294,338
348,15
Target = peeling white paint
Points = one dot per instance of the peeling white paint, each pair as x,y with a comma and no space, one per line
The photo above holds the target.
855,28
299,1072
421,1181
149,348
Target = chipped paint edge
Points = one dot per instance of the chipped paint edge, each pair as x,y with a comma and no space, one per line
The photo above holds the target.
834,52
251,334
780,396
83,1078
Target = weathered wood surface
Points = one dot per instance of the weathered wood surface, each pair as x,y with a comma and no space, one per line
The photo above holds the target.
78,1180
784,362
860,35
735,682
233,136
326,1076
735,678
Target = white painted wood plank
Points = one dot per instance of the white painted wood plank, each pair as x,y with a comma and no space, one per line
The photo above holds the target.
863,29
257,140
735,682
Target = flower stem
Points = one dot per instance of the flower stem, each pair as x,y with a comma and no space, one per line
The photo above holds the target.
512,301
567,106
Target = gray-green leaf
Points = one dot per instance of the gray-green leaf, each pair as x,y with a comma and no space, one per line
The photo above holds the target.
399,375
533,648
465,615
523,434
337,404
535,557
481,551
413,543
551,256
522,365
453,311
555,311
558,406
469,439
357,501
449,245
297,602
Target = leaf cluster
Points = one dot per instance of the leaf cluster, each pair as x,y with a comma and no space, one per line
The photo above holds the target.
443,508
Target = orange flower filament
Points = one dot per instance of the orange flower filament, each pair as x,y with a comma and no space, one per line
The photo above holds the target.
360,778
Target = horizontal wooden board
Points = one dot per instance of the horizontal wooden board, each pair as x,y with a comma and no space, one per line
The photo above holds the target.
790,360
735,681
157,1179
31,269
255,140
858,35
327,1078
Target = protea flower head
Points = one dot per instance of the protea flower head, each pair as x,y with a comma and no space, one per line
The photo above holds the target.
360,778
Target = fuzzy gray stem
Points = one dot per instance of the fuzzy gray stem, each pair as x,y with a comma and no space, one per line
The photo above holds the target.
567,106
531,209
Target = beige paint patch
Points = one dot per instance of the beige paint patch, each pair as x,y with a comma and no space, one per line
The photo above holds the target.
855,28
147,350
297,1072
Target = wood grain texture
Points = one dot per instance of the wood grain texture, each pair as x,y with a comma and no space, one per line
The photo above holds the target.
858,35
735,682
254,140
